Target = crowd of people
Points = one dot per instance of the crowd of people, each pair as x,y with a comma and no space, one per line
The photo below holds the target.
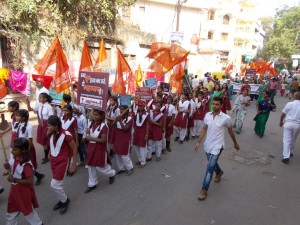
95,137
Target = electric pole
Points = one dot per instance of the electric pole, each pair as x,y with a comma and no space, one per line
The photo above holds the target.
178,9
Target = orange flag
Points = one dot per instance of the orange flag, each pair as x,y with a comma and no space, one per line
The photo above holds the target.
122,67
131,84
243,71
252,65
101,57
176,78
3,89
86,60
139,77
56,55
229,67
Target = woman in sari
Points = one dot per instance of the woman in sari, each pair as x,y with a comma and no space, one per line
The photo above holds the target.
226,98
216,93
240,109
262,88
263,111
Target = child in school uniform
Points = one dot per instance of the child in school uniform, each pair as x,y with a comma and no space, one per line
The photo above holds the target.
97,157
191,128
112,112
44,110
62,149
22,198
122,143
202,106
69,122
141,133
25,130
169,119
156,119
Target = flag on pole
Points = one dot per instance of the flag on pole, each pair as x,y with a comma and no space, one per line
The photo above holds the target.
86,60
122,67
252,65
55,55
229,68
139,77
101,57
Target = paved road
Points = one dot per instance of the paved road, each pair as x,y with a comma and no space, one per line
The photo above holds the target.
255,190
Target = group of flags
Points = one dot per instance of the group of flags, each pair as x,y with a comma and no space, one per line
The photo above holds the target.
262,68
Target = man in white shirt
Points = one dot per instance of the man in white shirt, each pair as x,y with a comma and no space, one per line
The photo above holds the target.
223,81
195,82
214,125
40,89
291,126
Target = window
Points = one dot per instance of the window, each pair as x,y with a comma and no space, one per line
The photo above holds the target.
226,19
224,36
211,15
210,35
142,9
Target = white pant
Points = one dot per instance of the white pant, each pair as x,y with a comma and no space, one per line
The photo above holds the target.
193,131
198,125
57,187
141,153
92,170
290,133
180,132
32,218
124,162
155,146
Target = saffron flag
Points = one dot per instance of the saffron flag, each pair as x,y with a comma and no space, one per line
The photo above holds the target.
101,57
229,68
122,67
86,60
139,77
176,78
55,55
252,65
131,82
3,89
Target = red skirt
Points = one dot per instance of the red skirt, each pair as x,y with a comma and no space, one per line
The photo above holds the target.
42,129
112,134
60,165
33,157
191,122
181,121
122,145
96,155
168,130
139,136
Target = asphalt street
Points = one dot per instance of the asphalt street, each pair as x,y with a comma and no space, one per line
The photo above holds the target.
255,189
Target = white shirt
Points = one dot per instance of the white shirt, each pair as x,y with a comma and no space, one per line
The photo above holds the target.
292,112
44,110
193,107
38,92
171,109
215,131
195,82
204,81
81,125
223,81
28,132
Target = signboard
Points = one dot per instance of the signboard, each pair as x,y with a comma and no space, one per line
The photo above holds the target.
93,90
248,57
250,72
56,98
237,87
144,92
151,83
177,37
165,87
125,100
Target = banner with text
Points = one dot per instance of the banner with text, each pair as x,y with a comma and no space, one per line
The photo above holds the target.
237,87
144,92
93,90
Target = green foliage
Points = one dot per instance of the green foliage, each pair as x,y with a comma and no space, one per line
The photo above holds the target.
27,21
282,34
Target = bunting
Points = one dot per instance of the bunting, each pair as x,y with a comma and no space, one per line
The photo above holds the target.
101,57
86,60
55,55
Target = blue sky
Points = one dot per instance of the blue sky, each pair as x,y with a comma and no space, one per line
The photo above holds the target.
268,7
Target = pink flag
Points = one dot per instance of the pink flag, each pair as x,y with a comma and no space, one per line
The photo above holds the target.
18,81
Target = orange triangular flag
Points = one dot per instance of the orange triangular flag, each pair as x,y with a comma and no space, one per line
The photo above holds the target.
139,77
86,60
229,68
252,65
56,55
122,67
101,56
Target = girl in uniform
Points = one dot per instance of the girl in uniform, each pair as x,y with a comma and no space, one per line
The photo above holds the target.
69,122
123,142
112,112
181,119
44,111
23,129
22,198
97,158
202,105
169,119
141,133
62,148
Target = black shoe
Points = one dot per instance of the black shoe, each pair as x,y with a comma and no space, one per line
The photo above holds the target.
89,189
169,149
193,137
148,160
121,171
158,159
111,180
181,142
1,190
163,151
153,153
64,207
57,205
129,172
176,139
39,179
111,153
45,160
291,155
286,161
187,138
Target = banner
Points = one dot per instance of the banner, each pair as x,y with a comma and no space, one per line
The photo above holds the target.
165,87
151,83
125,100
145,93
93,90
250,72
56,98
237,87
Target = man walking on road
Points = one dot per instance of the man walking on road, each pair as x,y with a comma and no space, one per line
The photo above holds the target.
214,125
291,126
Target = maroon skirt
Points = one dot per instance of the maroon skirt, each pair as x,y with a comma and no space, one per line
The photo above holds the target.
168,130
112,134
33,157
191,122
42,129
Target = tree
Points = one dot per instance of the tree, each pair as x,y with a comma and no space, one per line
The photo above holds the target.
282,41
26,22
